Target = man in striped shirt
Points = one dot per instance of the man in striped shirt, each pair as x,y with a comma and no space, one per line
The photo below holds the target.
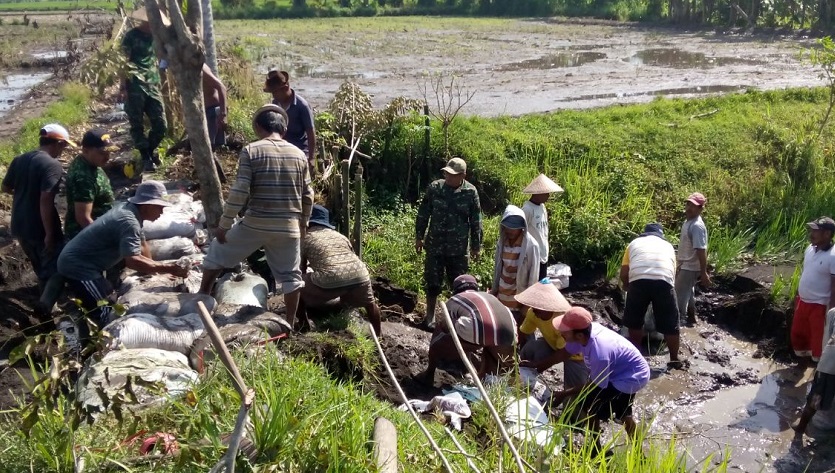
274,183
481,322
648,274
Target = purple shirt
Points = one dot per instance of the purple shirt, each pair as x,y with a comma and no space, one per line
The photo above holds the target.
612,359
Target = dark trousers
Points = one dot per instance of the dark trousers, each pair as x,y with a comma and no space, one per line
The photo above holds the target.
90,293
137,105
45,265
436,266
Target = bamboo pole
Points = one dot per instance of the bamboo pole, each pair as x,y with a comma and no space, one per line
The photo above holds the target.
385,445
345,198
405,400
358,211
471,369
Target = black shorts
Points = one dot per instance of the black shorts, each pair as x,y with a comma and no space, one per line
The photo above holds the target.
661,295
607,403
823,391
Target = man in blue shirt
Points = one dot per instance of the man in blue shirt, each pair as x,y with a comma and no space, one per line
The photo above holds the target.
300,129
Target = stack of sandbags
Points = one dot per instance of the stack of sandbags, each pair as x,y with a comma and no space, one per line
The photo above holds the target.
242,289
179,231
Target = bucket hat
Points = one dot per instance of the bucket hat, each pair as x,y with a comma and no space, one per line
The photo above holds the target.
150,193
320,216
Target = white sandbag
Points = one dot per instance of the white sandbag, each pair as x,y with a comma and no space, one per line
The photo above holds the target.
191,283
165,303
199,213
172,248
151,283
234,336
242,289
174,221
175,333
528,422
147,366
559,275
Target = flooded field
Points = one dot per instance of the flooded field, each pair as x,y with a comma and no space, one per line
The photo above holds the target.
15,86
520,66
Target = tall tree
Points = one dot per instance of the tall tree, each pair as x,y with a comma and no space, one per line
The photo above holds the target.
209,37
182,45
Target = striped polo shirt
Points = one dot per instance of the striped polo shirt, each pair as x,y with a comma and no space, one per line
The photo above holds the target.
274,183
480,319
651,257
511,251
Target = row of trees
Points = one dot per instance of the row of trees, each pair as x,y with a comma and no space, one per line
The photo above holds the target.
779,13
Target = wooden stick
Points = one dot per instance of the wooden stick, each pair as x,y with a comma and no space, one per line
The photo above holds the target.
471,369
405,399
385,445
227,462
461,449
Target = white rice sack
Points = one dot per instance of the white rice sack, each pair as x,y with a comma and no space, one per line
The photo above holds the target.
172,248
108,377
175,221
150,283
169,304
242,289
151,331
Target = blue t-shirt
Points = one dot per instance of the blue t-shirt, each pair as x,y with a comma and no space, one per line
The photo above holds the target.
612,359
300,117
111,238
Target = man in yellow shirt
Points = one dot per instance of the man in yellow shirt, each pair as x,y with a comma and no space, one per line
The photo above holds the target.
542,303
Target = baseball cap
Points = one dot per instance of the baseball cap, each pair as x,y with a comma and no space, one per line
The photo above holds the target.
697,198
271,107
455,166
514,222
464,282
822,223
150,193
57,132
98,138
577,318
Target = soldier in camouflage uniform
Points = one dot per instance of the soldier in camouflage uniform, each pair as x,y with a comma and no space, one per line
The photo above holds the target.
452,212
89,193
141,90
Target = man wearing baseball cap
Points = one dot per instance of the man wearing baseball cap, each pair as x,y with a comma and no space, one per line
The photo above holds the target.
692,258
89,193
300,128
617,371
115,236
483,324
33,179
452,212
814,292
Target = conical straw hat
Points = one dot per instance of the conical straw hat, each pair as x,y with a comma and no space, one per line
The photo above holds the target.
544,296
542,185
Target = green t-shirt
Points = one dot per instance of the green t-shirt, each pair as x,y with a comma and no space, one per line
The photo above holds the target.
86,183
138,46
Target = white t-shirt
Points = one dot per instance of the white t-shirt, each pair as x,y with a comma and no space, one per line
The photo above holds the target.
651,257
818,268
693,237
537,219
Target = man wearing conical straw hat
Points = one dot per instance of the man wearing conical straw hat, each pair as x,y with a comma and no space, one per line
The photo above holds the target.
542,303
536,215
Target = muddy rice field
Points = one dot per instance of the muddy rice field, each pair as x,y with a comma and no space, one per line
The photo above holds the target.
742,390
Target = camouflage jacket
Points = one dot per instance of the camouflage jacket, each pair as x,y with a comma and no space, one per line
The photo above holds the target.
86,183
453,217
138,46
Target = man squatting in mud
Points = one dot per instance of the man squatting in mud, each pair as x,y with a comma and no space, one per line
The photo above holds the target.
451,210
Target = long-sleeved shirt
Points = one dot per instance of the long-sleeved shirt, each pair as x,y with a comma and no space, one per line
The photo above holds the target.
453,217
274,183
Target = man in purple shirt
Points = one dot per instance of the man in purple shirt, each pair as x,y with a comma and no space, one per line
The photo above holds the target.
616,371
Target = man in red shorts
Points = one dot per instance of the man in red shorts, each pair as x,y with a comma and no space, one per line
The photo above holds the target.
814,293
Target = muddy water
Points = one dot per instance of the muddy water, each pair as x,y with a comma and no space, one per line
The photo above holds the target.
539,66
13,88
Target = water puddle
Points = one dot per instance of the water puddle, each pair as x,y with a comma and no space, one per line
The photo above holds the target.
681,59
318,73
694,90
14,87
50,55
554,61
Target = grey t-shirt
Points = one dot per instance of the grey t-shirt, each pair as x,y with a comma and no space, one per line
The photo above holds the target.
111,238
300,119
30,174
693,237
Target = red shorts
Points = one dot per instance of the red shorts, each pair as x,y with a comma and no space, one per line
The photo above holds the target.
807,329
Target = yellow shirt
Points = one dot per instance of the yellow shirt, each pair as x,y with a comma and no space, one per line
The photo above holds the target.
549,333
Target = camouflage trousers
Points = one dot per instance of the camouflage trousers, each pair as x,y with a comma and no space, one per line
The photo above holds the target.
138,103
438,265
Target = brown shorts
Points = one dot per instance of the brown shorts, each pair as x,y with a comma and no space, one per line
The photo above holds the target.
357,295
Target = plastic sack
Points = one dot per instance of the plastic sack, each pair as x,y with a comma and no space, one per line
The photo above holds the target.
150,331
559,274
242,289
172,248
107,378
150,283
527,421
174,221
162,304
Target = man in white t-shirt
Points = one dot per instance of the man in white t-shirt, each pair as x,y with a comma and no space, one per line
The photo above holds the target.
692,258
814,292
536,215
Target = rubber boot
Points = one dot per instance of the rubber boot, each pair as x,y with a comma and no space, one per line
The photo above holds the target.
429,319
147,161
52,290
220,174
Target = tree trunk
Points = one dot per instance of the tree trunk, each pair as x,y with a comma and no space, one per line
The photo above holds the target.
182,45
209,37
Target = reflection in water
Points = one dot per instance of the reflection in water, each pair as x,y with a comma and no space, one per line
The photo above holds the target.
14,87
681,59
554,61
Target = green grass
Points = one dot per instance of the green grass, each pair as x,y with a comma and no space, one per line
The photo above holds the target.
56,5
71,109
